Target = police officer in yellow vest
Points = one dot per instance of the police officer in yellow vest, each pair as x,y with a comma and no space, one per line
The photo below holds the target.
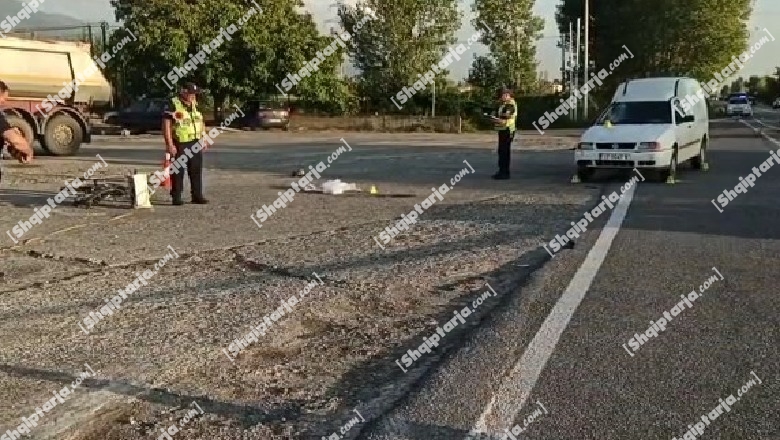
505,125
182,128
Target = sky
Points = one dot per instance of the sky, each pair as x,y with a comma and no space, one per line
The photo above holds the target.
766,14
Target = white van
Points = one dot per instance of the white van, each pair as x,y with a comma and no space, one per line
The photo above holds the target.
652,124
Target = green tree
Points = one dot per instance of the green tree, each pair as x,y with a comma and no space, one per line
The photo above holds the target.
756,84
399,40
510,33
694,38
484,74
738,85
773,86
265,46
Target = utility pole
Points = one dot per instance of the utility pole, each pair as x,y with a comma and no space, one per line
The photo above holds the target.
563,60
577,67
570,61
587,66
344,57
103,29
433,104
338,4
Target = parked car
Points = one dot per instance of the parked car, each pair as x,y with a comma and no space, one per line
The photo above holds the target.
143,116
776,104
739,106
265,115
645,127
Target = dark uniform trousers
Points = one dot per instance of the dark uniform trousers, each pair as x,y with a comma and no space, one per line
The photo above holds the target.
505,138
194,168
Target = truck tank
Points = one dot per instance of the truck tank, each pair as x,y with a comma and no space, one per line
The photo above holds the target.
35,70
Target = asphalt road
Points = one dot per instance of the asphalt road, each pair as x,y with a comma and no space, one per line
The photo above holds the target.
334,351
552,359
551,348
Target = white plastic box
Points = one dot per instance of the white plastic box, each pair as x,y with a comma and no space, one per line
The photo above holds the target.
336,187
333,187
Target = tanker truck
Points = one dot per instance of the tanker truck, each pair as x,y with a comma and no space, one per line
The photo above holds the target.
43,104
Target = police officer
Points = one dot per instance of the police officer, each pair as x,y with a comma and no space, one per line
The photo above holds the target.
183,128
505,125
18,146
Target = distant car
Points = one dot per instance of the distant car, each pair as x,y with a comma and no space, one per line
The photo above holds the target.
143,116
751,99
776,104
265,115
739,106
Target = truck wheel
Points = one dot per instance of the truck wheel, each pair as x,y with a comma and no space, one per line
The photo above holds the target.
62,136
23,126
700,162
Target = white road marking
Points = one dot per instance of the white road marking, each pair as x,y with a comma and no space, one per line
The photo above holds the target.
763,123
517,387
764,135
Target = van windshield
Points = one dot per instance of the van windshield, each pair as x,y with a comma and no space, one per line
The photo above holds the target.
639,112
738,100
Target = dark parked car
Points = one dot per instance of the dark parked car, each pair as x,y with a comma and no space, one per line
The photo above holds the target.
265,115
143,116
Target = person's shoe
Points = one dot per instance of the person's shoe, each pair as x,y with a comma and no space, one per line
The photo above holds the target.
200,201
501,176
177,202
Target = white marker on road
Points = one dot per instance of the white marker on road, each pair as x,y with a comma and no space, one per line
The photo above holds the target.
764,135
516,388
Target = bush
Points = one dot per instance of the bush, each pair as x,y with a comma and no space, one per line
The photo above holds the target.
530,109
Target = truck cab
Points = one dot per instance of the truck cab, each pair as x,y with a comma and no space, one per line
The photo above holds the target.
652,124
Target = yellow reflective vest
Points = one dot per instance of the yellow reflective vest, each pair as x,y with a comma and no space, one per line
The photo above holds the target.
503,112
187,125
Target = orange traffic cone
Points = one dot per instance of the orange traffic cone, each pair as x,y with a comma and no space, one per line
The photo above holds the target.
167,171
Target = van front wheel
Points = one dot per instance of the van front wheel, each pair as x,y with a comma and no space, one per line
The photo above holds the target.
585,173
669,175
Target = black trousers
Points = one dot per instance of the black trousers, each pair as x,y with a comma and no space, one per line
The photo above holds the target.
194,169
505,138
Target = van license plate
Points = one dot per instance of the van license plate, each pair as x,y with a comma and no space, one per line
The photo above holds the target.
614,156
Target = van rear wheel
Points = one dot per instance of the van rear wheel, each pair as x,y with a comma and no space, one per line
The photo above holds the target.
700,162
